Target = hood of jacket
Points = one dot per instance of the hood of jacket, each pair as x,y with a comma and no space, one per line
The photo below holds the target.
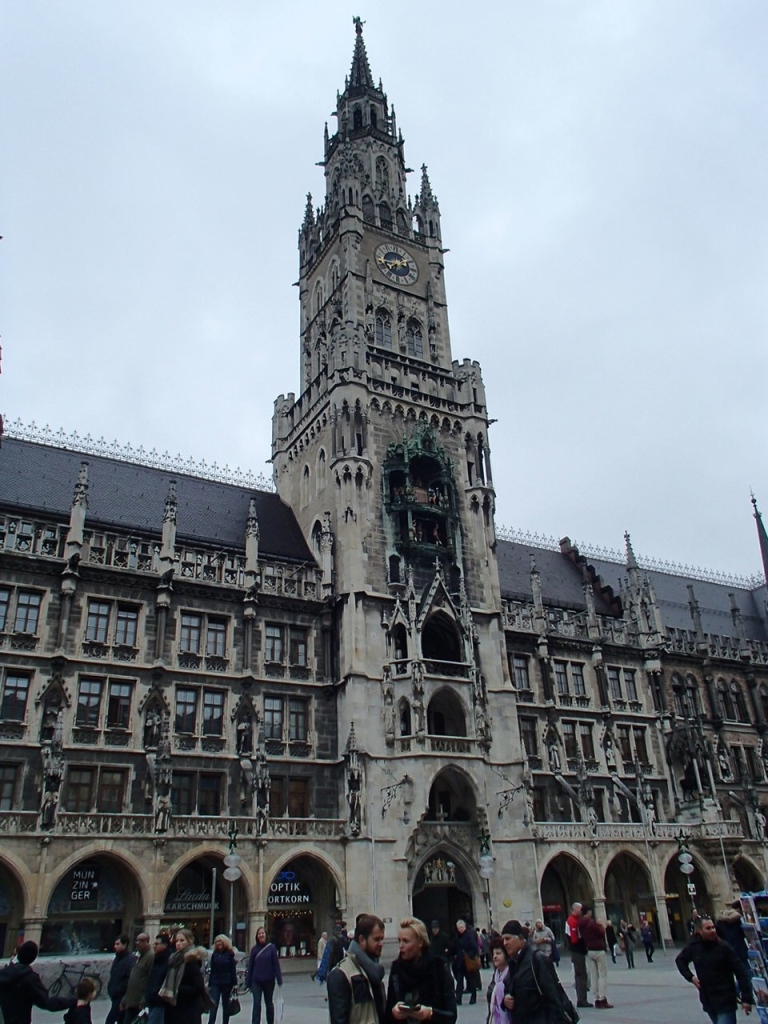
13,973
196,953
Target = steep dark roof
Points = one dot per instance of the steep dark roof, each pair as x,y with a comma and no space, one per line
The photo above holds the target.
123,495
713,600
561,584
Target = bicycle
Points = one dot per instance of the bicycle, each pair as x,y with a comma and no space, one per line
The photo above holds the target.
72,974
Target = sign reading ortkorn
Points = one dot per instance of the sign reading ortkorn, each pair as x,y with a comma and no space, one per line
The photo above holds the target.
288,890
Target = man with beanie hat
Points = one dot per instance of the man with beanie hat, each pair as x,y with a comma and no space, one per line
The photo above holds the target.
21,989
532,989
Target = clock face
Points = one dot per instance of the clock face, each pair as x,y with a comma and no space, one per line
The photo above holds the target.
396,264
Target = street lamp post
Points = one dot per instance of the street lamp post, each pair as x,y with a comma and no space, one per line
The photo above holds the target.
232,863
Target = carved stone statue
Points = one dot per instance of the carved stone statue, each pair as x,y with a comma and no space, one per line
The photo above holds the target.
553,753
149,777
163,814
245,736
152,729
610,754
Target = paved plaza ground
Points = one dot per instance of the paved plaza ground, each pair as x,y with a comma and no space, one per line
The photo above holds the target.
651,994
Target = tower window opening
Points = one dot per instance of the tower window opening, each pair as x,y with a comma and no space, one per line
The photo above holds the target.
369,215
374,118
402,223
413,339
385,216
357,118
383,329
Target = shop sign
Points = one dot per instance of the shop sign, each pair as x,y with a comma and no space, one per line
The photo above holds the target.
84,888
187,901
287,890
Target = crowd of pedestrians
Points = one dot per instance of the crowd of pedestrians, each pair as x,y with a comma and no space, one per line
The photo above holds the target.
164,983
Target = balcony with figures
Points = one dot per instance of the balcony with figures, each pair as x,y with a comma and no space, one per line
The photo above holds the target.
440,729
420,499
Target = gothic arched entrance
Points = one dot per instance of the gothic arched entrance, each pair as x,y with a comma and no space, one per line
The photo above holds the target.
11,910
442,892
193,895
565,881
629,890
747,876
95,900
302,903
680,901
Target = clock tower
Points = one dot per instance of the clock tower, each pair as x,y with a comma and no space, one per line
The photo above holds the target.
386,446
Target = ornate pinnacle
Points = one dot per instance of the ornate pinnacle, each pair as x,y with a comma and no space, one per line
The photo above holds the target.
631,560
169,516
80,496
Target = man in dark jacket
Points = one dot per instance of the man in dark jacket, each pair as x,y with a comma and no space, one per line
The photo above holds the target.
531,986
21,989
716,964
117,985
152,1000
356,986
439,942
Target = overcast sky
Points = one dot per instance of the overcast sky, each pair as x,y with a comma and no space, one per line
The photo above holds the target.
601,172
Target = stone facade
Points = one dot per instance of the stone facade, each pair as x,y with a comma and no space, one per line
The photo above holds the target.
353,684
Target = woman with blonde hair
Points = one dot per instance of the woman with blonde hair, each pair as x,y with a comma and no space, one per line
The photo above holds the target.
420,983
223,977
184,989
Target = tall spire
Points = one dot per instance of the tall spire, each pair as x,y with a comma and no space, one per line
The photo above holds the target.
360,76
762,537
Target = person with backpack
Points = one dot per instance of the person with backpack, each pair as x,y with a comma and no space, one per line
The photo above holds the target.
21,989
533,991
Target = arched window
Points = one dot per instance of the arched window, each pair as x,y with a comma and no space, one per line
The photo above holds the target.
321,478
413,339
440,641
445,715
318,301
679,703
305,487
374,117
383,329
357,118
404,714
385,216
402,223
692,693
382,174
369,215
400,642
418,224
739,703
725,700
394,569
334,276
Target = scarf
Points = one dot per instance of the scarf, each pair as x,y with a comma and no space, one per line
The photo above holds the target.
170,988
372,968
414,972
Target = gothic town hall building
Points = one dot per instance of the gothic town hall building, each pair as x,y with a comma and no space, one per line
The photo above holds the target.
349,679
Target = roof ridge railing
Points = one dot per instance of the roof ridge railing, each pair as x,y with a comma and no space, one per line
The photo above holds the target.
549,543
153,459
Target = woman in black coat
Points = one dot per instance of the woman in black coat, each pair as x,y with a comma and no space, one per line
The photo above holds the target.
184,989
420,983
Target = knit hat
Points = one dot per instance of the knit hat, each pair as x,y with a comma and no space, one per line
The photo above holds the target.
27,952
513,928
435,924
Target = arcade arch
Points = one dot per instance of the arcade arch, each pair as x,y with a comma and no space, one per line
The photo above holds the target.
680,902
628,890
195,889
443,888
96,897
302,902
748,877
563,882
